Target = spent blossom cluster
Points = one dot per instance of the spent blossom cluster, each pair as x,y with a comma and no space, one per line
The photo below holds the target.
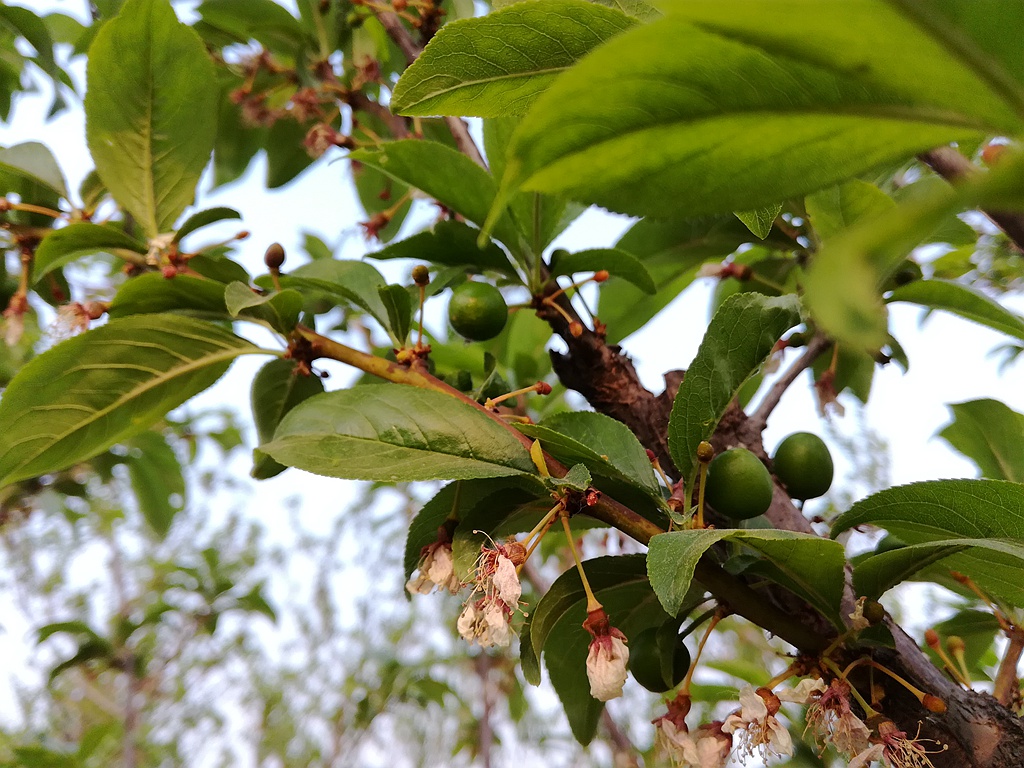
486,618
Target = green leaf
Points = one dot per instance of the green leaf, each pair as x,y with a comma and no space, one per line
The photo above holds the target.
948,511
445,174
961,300
94,390
606,447
879,573
88,650
204,219
620,583
811,566
276,389
456,499
80,239
398,303
78,628
982,34
218,268
29,25
835,209
450,243
280,310
740,337
261,20
615,261
541,218
578,478
989,433
152,292
151,111
393,433
286,155
156,478
346,281
671,252
752,142
951,229
497,64
35,162
760,220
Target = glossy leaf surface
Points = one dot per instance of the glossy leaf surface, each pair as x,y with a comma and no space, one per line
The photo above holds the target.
393,433
944,512
813,567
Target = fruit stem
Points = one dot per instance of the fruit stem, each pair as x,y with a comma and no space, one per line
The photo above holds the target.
7,205
423,300
955,645
869,711
598,277
593,604
541,529
926,699
931,638
1004,623
783,675
575,326
541,388
717,617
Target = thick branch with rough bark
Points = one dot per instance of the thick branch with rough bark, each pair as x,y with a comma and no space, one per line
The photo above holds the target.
979,732
955,168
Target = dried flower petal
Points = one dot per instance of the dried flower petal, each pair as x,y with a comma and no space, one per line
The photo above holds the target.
868,756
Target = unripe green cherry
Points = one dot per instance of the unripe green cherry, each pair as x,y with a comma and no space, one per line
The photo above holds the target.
738,485
645,661
477,311
803,464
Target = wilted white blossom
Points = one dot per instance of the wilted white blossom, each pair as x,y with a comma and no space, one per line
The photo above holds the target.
707,747
486,622
868,756
756,726
436,571
832,720
857,619
606,665
806,691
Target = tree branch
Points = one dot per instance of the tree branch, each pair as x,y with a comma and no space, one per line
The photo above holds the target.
955,168
759,418
1007,684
